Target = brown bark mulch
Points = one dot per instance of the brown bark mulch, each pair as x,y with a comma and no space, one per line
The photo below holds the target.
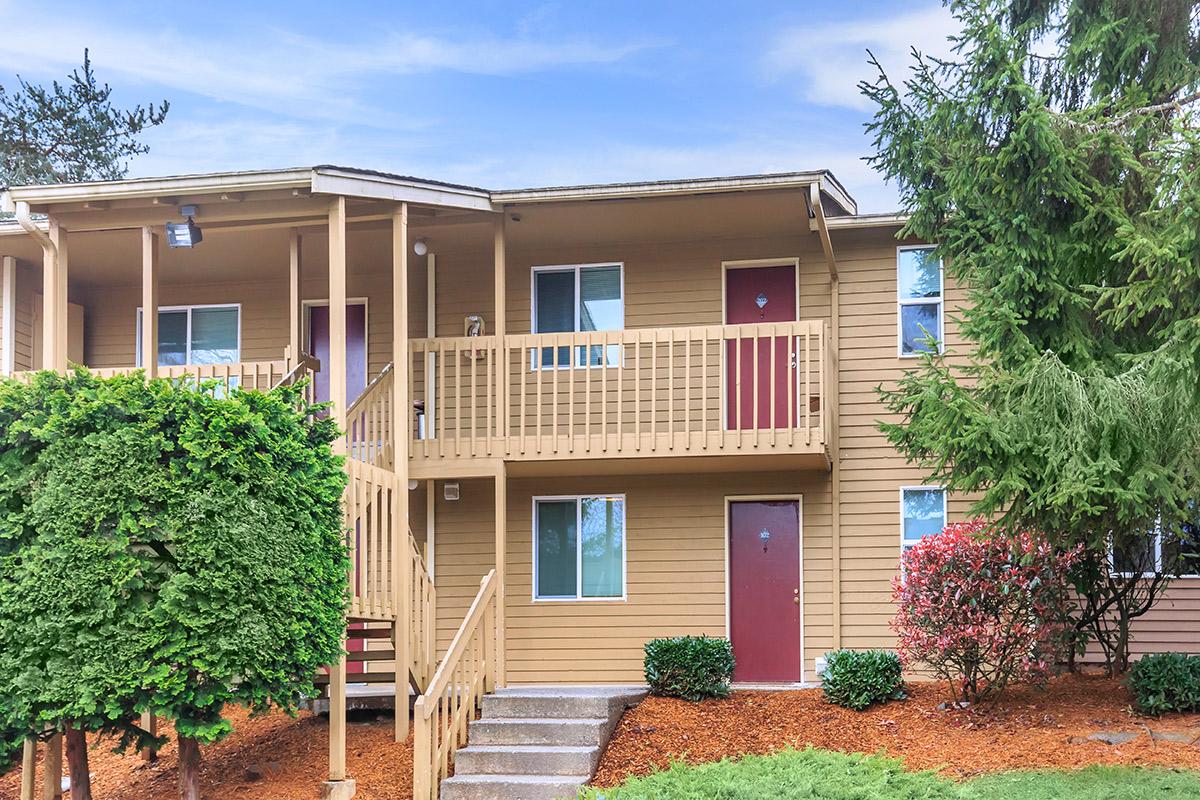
287,757
1027,729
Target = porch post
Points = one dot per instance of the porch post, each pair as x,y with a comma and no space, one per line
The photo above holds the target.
498,326
8,291
150,302
295,299
501,553
401,434
338,787
54,262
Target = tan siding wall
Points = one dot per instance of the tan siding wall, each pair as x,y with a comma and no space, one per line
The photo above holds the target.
675,541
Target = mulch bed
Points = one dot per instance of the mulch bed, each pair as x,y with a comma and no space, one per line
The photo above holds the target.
289,758
1026,729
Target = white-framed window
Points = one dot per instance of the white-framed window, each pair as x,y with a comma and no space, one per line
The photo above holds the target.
198,334
579,547
922,513
1158,551
576,298
919,291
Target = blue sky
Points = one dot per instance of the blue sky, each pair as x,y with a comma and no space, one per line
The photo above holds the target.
495,94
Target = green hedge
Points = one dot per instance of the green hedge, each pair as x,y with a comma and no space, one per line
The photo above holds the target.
692,667
1165,682
860,679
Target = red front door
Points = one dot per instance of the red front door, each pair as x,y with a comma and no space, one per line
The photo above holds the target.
764,590
759,295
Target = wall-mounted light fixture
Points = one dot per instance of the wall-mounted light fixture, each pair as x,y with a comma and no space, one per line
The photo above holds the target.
184,234
420,247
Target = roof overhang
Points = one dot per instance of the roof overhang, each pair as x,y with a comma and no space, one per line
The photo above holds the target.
742,183
861,221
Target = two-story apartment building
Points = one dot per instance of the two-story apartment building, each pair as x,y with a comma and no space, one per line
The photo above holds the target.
648,409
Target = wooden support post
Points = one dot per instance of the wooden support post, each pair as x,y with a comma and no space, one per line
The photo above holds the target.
338,786
149,724
28,769
52,768
401,435
50,275
61,313
430,529
501,558
500,276
150,302
431,356
8,316
295,298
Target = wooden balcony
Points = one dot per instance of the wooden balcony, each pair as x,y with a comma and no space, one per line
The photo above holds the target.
709,391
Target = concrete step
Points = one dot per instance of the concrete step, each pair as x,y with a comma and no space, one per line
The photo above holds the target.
575,732
560,702
525,759
512,787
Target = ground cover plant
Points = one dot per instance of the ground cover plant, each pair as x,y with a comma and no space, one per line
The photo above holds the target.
690,667
810,774
981,610
858,679
163,549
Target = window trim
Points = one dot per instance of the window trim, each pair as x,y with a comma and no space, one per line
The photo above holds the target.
905,543
535,361
1112,558
940,301
579,598
137,336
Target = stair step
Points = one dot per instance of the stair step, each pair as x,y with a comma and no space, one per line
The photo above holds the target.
512,787
516,759
559,702
567,731
359,677
371,655
369,633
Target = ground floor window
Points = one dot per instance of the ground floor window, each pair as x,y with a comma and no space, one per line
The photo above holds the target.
922,512
195,335
1178,551
579,547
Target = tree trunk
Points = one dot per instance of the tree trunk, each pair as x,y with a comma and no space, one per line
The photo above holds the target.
189,769
77,762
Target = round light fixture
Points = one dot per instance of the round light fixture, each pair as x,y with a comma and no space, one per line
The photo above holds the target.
420,247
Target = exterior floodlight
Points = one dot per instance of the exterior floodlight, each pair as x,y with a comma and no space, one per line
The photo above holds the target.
420,247
184,234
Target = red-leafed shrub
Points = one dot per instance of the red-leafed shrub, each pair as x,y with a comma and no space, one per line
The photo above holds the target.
981,608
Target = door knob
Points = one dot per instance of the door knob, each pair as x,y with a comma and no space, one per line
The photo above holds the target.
796,600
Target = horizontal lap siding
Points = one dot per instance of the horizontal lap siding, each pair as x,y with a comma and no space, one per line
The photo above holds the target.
675,529
872,471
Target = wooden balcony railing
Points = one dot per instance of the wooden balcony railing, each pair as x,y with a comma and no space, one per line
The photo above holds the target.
374,534
653,391
453,696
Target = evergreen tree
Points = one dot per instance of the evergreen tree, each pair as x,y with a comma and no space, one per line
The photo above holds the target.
1053,159
70,131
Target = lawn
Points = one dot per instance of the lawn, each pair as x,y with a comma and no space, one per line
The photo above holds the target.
823,775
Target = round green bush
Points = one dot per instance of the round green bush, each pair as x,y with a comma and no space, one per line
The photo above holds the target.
691,667
858,679
1165,682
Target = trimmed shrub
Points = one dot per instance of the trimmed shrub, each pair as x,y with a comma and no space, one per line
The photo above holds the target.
858,679
981,608
691,667
1165,682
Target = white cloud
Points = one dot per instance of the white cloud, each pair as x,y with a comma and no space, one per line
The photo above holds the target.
279,70
828,61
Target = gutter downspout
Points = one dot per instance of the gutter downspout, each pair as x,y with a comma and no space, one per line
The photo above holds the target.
832,435
49,282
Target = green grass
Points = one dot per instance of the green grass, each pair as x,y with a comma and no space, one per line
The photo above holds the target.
824,775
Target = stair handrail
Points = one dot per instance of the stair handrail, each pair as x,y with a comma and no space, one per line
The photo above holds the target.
464,676
422,651
369,421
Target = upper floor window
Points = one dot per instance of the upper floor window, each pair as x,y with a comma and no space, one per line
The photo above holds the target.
578,298
195,335
919,294
922,513
579,547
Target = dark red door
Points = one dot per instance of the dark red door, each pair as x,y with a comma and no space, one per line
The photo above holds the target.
756,295
764,590
356,349
356,381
